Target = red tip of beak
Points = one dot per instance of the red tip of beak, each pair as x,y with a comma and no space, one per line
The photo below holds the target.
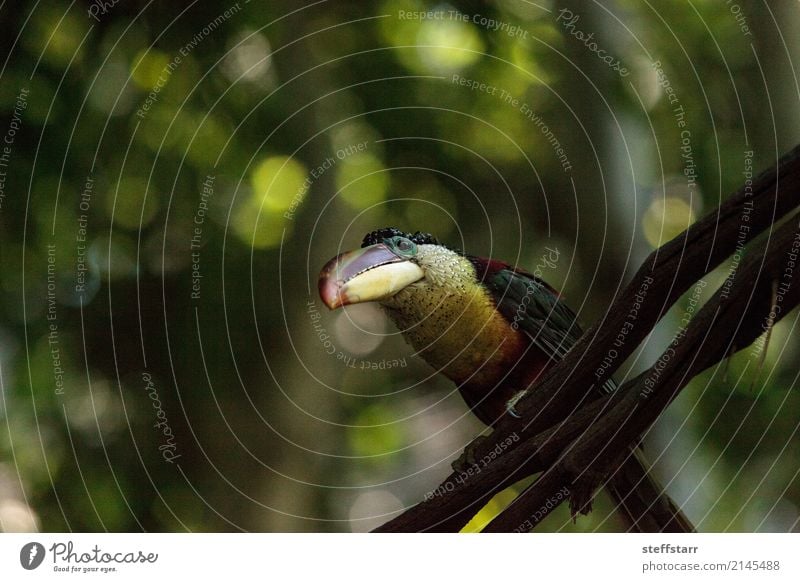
330,285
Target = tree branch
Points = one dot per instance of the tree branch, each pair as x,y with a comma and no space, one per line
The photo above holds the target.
734,317
577,440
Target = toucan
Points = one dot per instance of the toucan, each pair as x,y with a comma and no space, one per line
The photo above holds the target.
490,327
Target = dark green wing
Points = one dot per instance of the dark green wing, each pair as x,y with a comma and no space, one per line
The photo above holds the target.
533,307
529,304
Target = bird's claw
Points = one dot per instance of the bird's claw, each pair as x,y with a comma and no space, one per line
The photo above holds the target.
512,403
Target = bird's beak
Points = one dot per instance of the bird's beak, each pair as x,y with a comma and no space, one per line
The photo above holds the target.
369,274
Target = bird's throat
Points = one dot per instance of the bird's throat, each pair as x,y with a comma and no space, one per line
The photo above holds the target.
457,330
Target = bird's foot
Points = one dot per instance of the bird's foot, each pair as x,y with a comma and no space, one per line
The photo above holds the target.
467,458
512,403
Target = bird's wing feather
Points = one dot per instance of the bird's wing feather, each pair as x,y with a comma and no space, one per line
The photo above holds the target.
528,302
535,308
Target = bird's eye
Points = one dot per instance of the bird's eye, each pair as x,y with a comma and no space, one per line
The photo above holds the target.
404,245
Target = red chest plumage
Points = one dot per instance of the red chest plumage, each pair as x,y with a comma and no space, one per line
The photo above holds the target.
487,398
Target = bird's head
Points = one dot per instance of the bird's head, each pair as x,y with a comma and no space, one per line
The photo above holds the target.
391,265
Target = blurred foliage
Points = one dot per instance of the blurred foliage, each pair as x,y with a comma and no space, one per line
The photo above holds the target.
177,175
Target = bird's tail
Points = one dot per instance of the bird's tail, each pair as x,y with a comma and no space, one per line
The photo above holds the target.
642,501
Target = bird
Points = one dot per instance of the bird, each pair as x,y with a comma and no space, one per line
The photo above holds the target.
491,328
